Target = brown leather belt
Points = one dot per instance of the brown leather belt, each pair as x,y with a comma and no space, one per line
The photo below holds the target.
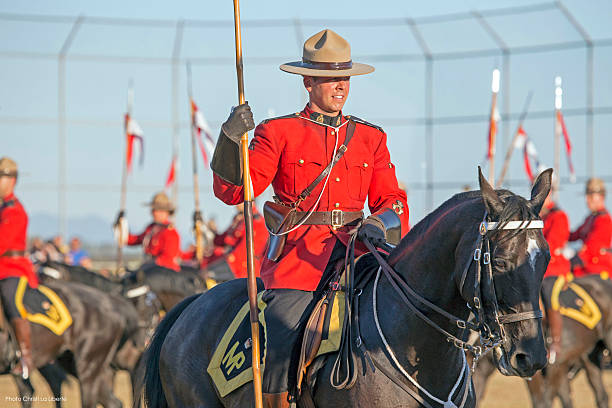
13,253
334,218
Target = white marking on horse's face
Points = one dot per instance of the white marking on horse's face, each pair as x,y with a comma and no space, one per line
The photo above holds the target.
532,250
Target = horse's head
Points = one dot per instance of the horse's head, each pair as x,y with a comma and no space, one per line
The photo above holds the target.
504,281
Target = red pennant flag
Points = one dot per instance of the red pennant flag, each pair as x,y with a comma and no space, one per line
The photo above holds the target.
133,132
171,174
530,153
568,145
207,145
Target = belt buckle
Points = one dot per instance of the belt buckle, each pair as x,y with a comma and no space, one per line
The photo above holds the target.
337,218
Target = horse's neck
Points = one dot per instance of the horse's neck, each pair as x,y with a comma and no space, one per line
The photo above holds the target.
427,265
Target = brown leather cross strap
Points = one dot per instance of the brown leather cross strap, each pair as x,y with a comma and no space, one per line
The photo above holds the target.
336,218
350,129
12,253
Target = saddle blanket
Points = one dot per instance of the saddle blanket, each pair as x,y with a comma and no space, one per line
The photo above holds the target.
231,367
573,302
42,306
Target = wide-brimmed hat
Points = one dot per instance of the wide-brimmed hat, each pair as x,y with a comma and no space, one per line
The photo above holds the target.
8,167
326,54
595,185
161,201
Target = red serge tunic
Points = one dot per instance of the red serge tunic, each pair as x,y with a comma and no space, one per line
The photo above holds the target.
596,235
235,238
556,232
161,242
289,153
13,227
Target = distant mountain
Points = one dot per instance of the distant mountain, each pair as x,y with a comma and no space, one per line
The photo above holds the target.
92,229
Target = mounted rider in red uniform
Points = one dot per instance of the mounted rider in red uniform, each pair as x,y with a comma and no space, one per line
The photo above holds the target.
233,263
160,240
595,234
556,232
291,153
13,261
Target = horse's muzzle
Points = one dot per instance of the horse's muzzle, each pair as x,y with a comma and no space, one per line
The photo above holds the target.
518,362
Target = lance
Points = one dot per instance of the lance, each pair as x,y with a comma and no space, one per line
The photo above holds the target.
492,125
557,135
197,215
517,134
122,223
248,219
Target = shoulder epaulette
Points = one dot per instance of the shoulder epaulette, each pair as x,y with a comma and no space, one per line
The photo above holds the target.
363,122
291,115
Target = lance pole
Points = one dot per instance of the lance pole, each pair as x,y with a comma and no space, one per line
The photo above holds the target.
513,144
122,201
492,125
558,106
248,219
197,215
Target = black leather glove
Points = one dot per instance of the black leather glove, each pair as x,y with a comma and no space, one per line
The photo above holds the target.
239,122
120,215
373,230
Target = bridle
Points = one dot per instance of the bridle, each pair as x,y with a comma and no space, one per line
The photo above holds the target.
492,333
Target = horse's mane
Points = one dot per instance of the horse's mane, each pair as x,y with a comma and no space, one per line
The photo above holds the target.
515,207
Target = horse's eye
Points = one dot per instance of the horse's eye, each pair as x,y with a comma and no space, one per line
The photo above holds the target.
500,264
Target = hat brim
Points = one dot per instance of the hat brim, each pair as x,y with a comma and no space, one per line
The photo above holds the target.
157,207
300,68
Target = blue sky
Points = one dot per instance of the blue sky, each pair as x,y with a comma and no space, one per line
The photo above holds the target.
392,97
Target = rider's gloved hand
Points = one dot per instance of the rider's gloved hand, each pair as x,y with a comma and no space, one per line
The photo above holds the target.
239,122
120,215
197,217
373,230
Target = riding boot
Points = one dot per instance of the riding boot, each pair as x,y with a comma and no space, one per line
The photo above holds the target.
22,332
555,324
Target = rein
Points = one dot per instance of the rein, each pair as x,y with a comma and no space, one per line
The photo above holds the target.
490,338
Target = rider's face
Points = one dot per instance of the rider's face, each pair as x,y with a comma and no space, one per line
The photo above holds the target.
7,184
160,216
327,95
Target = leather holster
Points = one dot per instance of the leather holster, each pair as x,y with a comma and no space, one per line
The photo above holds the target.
279,219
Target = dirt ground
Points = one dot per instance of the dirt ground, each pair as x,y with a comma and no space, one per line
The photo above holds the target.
502,392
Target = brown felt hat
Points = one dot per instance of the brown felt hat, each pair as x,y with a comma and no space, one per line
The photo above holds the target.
595,185
8,167
326,54
161,201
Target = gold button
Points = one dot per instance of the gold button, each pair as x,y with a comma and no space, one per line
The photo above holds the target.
301,161
333,133
337,205
365,164
337,178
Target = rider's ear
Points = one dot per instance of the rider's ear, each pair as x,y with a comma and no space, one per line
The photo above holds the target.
541,188
492,202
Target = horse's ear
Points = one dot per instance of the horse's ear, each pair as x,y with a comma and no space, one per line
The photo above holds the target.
492,202
541,188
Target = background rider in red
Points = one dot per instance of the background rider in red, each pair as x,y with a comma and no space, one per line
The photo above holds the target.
160,240
290,152
233,263
556,232
13,262
595,233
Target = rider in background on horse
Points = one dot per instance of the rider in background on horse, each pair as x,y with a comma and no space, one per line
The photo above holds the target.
595,234
14,264
322,210
160,240
233,261
556,232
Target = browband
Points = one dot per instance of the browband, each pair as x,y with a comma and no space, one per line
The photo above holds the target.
513,225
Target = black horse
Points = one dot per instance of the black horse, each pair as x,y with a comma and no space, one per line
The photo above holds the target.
102,324
435,263
581,348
